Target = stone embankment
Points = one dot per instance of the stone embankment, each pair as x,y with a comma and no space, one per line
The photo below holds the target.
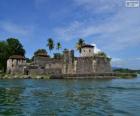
94,76
72,76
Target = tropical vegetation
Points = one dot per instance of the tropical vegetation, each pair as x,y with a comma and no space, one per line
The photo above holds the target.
11,46
59,46
79,44
50,44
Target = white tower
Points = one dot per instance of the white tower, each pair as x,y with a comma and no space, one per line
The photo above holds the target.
87,51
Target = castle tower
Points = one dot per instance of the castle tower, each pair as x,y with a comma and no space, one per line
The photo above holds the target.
68,65
87,50
14,62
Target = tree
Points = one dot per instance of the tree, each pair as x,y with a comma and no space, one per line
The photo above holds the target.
102,54
15,47
58,55
8,48
58,46
3,55
50,44
79,44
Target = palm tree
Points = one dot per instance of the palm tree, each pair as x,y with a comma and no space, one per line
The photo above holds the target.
50,44
79,44
58,46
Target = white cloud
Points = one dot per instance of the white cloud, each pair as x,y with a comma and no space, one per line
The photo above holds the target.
96,49
14,28
132,63
118,31
99,6
116,59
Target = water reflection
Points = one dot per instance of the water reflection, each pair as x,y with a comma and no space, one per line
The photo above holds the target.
69,97
10,101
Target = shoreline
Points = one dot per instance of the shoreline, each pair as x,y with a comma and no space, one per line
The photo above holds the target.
72,76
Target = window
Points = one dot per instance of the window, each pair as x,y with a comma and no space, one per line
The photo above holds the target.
89,50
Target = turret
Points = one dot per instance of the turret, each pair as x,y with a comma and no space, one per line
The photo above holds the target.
68,66
14,62
87,50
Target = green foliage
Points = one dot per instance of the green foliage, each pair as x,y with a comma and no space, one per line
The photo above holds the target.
58,55
58,46
50,44
28,60
101,54
79,44
15,47
123,70
8,48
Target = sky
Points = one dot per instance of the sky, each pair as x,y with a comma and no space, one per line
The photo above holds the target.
108,24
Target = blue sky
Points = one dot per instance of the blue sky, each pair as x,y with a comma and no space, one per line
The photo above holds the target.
114,28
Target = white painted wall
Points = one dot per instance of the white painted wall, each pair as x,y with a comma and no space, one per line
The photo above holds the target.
87,52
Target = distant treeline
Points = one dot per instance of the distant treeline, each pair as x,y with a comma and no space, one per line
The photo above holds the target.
122,70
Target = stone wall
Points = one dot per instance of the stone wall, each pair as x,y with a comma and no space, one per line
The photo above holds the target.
68,62
87,65
46,66
40,71
54,64
84,65
15,66
41,60
102,65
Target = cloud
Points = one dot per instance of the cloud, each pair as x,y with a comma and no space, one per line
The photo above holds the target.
14,28
99,6
96,49
137,58
67,33
116,32
133,63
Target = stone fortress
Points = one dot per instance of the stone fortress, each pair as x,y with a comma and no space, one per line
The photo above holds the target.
87,63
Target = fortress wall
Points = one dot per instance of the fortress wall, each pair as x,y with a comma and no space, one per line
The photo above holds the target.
19,69
48,62
54,64
68,62
36,71
41,60
50,66
53,71
40,71
102,65
87,65
15,66
84,65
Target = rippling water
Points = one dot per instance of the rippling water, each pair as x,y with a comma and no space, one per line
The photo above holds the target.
118,97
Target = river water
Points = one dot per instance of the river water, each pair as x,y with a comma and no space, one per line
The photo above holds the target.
117,97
